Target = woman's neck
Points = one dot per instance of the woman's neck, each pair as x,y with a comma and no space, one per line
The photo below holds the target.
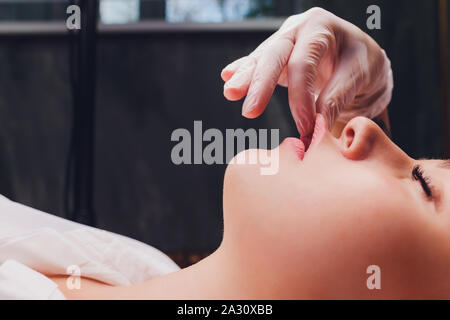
212,278
218,276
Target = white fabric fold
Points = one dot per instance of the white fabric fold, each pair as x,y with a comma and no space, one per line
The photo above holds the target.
17,281
51,245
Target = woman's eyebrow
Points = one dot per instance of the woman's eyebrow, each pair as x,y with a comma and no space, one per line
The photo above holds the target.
444,164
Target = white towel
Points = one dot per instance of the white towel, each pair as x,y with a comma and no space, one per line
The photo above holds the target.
17,281
50,245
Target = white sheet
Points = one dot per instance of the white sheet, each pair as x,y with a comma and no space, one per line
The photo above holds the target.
17,281
50,245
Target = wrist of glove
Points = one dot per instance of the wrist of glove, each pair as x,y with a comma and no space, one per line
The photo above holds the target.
375,98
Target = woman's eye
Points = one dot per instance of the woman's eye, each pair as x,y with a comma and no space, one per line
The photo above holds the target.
418,175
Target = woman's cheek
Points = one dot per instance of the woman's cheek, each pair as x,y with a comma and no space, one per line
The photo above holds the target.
400,241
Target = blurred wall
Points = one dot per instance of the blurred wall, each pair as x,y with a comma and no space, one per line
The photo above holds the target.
152,83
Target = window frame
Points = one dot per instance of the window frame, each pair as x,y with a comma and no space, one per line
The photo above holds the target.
12,28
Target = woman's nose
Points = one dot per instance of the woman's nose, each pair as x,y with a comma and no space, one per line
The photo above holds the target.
363,139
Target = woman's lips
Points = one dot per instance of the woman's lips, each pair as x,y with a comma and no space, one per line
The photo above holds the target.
297,145
301,146
320,128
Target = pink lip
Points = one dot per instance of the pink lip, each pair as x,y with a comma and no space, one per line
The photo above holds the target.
319,130
300,146
297,145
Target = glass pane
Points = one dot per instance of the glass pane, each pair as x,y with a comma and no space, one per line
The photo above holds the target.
119,11
33,10
173,11
217,10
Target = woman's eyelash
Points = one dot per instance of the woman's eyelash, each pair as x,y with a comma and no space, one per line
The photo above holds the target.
418,175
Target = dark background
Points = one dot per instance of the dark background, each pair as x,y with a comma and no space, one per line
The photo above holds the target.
150,83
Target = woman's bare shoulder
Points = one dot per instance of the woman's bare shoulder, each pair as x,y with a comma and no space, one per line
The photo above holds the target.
85,289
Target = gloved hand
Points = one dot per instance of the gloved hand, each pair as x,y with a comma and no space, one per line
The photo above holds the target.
314,54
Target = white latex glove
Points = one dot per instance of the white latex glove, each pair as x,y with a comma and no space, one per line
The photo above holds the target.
314,54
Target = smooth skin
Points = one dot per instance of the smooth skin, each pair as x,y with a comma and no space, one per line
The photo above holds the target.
311,231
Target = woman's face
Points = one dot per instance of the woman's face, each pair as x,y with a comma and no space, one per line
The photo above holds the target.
314,228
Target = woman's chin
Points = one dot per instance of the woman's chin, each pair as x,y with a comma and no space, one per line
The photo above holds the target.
260,181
